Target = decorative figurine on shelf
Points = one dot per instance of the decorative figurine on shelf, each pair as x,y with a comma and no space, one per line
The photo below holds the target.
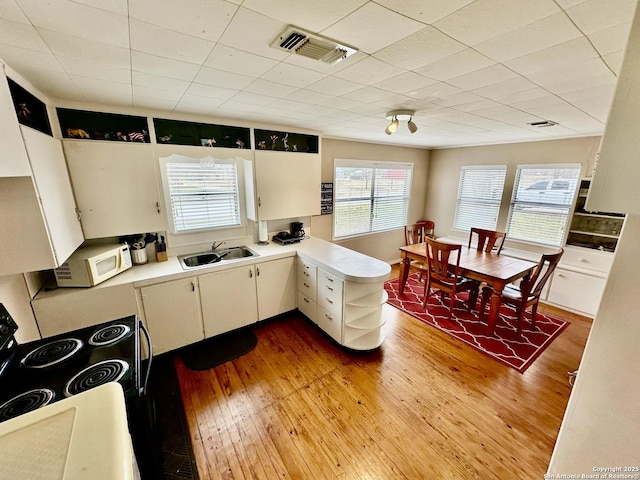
295,147
77,133
137,136
262,145
239,143
285,142
165,138
208,142
24,114
274,138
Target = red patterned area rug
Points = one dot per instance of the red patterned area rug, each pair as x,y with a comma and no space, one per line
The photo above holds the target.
504,346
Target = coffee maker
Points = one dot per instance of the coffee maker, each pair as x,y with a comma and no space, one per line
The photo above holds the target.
297,230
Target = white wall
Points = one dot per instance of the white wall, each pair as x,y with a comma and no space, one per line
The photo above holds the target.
383,246
444,172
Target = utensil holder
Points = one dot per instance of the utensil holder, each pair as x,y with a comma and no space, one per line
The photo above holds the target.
139,256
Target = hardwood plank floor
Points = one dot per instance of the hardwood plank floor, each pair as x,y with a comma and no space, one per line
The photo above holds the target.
421,406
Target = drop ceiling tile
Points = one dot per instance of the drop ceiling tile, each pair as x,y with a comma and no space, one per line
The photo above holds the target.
312,16
544,33
100,91
436,91
209,91
196,18
114,6
163,83
272,89
82,68
368,94
425,12
614,61
482,104
459,99
161,104
595,15
408,82
237,61
252,32
507,87
575,76
389,27
10,11
62,44
369,71
341,103
460,63
291,75
332,85
558,56
22,60
610,40
57,85
481,78
78,20
593,101
322,67
521,96
309,96
486,19
148,38
164,67
21,35
193,98
432,44
219,78
253,98
538,101
158,93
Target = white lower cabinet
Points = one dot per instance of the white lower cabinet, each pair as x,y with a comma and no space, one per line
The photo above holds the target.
276,287
229,300
172,314
576,291
348,311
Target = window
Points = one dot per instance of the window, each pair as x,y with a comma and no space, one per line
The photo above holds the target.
201,193
541,202
479,195
370,196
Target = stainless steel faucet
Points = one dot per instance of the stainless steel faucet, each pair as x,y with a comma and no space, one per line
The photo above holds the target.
216,245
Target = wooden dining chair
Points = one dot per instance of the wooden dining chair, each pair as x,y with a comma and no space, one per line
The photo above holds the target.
527,294
489,241
443,275
416,233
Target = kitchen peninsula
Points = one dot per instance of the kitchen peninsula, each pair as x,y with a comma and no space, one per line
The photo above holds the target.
344,294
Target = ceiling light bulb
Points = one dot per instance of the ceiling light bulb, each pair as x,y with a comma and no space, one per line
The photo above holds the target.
392,127
413,128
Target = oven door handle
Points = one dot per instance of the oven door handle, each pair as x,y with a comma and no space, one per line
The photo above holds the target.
143,388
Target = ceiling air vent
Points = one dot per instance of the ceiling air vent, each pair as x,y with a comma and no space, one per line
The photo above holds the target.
298,41
543,123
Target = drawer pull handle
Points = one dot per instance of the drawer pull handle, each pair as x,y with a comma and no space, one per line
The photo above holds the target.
330,301
306,284
330,288
305,273
306,300
330,279
560,275
328,317
250,273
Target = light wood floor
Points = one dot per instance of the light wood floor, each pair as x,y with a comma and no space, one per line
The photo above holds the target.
421,406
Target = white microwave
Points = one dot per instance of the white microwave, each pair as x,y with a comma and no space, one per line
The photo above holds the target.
88,266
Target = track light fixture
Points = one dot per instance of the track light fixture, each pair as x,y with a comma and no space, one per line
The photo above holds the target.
397,116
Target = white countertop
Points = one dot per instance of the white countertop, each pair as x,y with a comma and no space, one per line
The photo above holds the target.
83,437
343,262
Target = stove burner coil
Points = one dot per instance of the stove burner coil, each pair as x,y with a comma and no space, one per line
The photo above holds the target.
25,402
51,353
109,335
95,375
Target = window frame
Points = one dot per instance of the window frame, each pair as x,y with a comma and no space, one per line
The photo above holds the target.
372,165
459,214
516,204
171,223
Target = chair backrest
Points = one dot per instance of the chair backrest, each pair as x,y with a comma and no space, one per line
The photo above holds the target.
534,285
417,232
429,227
489,241
438,254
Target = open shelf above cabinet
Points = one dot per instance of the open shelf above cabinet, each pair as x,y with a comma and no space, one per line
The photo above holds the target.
596,230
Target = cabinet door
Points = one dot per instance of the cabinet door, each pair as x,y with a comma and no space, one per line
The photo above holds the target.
172,314
13,159
228,300
276,285
576,291
287,184
54,190
116,187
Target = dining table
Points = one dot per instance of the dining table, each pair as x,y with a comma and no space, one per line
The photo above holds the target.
495,270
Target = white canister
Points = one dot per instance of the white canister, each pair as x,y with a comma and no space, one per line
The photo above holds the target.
139,256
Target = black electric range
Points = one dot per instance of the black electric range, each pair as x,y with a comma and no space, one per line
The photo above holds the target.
38,373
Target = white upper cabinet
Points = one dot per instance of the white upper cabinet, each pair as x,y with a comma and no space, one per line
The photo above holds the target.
617,174
13,157
116,187
287,185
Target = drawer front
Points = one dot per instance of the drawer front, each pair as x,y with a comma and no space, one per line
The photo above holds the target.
585,258
331,323
576,291
308,307
307,278
330,292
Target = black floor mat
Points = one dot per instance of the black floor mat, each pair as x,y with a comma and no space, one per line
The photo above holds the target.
220,349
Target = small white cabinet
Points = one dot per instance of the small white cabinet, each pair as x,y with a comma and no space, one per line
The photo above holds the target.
116,187
282,185
172,313
276,287
229,300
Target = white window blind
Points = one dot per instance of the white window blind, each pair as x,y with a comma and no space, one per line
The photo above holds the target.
479,195
202,194
541,202
370,196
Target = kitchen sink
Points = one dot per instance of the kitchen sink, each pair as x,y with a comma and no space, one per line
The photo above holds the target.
204,259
